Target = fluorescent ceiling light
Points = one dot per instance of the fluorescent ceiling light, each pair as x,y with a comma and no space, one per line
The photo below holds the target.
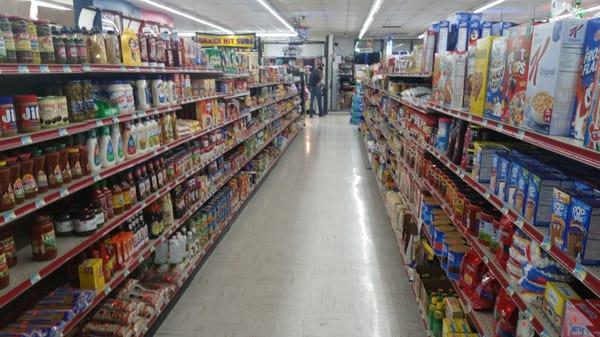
568,15
421,36
488,6
276,15
374,8
266,34
50,5
185,15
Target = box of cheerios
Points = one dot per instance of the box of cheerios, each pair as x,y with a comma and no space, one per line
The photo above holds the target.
556,52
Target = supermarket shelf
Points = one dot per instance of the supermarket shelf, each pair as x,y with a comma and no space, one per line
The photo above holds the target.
238,75
260,85
28,274
409,75
54,69
203,98
240,95
258,107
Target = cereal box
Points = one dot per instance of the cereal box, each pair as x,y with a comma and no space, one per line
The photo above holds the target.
538,205
556,296
436,89
493,98
583,231
462,41
428,51
556,50
469,77
580,319
559,217
474,33
585,81
518,47
442,37
522,186
479,79
452,78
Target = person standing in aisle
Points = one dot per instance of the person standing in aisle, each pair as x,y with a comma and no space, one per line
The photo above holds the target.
314,82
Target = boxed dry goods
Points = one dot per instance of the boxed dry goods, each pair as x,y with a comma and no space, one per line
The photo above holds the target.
453,308
585,80
452,78
560,217
518,48
470,72
428,51
556,50
556,296
582,239
479,79
493,100
580,319
540,190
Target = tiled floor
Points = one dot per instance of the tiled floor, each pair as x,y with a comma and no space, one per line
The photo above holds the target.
311,255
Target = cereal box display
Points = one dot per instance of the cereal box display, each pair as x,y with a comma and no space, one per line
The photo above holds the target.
493,98
585,81
583,231
518,48
469,77
453,78
556,50
479,78
538,205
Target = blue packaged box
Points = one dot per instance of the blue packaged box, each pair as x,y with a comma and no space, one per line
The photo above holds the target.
538,205
503,166
486,29
583,229
585,79
560,217
462,37
475,17
474,33
521,194
442,37
456,17
497,29
514,172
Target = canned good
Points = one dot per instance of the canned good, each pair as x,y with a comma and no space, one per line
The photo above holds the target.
456,253
8,116
28,113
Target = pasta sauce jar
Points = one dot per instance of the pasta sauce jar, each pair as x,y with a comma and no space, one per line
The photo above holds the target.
43,239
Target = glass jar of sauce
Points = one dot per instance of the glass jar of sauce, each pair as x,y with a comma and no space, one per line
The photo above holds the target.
9,41
85,222
8,247
63,224
44,34
35,45
22,39
74,163
28,113
43,239
60,51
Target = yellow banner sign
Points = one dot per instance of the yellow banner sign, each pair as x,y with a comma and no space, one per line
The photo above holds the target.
233,41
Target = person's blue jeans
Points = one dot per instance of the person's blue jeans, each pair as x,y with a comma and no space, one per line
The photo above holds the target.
318,94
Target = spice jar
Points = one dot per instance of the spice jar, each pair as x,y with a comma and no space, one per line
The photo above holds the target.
63,161
85,222
9,41
35,46
4,276
60,51
27,175
8,197
74,163
53,168
63,224
22,39
8,247
8,117
27,112
39,170
44,35
14,169
43,239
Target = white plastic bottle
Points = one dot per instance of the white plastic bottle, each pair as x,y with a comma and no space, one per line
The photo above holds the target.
140,137
161,256
172,91
129,97
148,133
118,143
129,144
93,152
173,250
107,149
155,132
141,97
158,93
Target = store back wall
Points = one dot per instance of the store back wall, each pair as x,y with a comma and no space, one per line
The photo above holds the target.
308,50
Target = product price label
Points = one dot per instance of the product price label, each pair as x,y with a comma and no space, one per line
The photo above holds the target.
122,69
546,244
510,291
136,69
9,216
39,203
115,120
63,132
504,210
44,69
107,290
23,69
67,69
500,127
26,140
579,272
141,259
99,123
519,223
126,272
485,260
86,68
63,192
96,178
35,278
487,194
484,123
469,118
520,134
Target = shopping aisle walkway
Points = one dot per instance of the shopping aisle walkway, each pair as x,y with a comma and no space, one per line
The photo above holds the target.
312,255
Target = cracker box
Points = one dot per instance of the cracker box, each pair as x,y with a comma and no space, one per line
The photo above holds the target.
493,99
479,80
580,319
556,296
518,48
556,50
583,231
586,79
559,217
538,205
470,71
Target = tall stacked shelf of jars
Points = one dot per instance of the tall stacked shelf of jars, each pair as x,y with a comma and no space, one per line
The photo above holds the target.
124,155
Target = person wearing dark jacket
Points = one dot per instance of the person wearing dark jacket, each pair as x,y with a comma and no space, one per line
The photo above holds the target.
314,83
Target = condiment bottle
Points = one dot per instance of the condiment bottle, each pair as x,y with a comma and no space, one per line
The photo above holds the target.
4,276
160,178
74,163
39,170
132,188
129,142
60,51
64,224
9,41
8,247
85,222
139,184
63,160
14,168
70,46
109,201
147,183
8,197
22,39
44,35
127,202
97,206
153,179
53,168
43,239
80,44
83,159
28,175
93,150
117,198
98,194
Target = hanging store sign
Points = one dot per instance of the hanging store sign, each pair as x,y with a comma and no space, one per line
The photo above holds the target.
232,41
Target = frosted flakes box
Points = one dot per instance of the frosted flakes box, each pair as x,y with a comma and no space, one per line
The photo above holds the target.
493,99
474,32
518,49
556,50
583,230
479,79
586,79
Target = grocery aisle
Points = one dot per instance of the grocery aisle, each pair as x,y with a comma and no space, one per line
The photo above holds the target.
312,254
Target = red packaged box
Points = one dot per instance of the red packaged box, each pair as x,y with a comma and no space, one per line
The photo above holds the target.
582,318
518,50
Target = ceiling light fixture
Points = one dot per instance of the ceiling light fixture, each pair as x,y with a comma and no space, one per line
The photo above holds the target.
185,15
50,5
265,34
421,36
488,6
276,15
374,9
568,15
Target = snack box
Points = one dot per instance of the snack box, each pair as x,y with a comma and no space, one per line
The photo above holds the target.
479,79
493,99
470,71
586,79
514,85
556,296
559,218
581,319
538,203
483,160
556,50
453,308
582,239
